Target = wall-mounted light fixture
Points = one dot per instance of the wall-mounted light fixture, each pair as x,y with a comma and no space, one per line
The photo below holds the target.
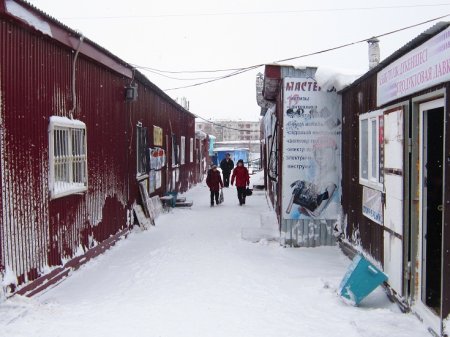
131,93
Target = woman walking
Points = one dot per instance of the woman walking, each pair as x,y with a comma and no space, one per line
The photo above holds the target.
240,173
214,182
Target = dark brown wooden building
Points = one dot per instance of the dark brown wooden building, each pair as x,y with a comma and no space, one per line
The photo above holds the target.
395,167
79,130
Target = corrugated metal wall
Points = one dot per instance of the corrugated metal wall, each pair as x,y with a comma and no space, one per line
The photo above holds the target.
35,83
308,233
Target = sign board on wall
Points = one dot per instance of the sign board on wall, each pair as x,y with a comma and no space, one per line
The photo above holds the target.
423,67
311,151
157,136
371,205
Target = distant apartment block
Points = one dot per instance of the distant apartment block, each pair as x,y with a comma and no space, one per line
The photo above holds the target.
228,130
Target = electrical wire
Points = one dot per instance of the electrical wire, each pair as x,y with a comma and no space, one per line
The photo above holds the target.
314,10
185,71
243,70
157,72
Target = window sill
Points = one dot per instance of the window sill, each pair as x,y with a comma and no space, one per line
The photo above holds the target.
141,177
372,185
71,191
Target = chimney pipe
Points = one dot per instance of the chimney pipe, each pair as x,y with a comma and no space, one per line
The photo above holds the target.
374,52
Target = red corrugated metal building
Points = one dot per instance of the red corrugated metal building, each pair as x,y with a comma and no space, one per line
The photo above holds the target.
70,165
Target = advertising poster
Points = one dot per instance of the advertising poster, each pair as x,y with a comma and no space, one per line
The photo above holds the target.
371,205
311,151
151,186
157,158
157,179
157,136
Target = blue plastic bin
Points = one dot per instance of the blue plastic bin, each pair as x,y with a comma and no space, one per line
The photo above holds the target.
360,280
174,200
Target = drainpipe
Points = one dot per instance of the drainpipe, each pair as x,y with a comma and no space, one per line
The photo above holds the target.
74,95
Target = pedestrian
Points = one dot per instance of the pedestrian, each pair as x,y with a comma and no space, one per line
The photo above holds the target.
214,182
240,173
226,165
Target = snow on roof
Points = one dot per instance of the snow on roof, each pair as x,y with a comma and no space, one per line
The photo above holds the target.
329,78
200,134
66,122
231,149
26,15
239,142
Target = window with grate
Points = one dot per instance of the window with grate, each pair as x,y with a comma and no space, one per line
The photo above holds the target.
67,157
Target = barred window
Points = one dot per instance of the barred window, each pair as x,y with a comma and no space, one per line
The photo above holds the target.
67,157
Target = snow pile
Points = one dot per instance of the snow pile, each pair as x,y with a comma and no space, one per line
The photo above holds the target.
8,279
193,276
268,230
329,78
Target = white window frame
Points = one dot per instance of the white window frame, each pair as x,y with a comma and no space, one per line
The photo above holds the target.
183,150
191,150
141,150
373,178
61,132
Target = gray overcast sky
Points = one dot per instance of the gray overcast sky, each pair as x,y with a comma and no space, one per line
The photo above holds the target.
211,34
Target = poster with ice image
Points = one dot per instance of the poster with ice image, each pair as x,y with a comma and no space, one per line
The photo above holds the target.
311,151
157,158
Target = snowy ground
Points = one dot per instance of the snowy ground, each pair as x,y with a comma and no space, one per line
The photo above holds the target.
194,275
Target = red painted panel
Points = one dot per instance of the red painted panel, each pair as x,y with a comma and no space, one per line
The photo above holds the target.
35,83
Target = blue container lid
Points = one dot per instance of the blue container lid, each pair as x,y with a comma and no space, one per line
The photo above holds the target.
361,278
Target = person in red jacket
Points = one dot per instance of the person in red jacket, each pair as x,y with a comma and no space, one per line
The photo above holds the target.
214,182
240,173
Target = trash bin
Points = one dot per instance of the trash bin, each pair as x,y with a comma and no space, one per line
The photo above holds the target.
361,279
174,199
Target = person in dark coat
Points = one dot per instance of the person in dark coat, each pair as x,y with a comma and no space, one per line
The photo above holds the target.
226,165
240,174
214,182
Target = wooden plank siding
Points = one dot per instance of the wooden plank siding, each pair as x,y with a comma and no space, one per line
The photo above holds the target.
359,230
446,229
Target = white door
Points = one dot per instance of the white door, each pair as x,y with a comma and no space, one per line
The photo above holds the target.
393,186
428,301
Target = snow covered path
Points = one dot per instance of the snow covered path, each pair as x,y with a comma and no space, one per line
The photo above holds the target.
193,275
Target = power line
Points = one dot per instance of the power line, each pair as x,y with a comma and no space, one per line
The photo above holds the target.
243,70
156,72
186,71
314,10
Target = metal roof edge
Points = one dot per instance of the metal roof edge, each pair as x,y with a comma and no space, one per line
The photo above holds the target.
71,32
